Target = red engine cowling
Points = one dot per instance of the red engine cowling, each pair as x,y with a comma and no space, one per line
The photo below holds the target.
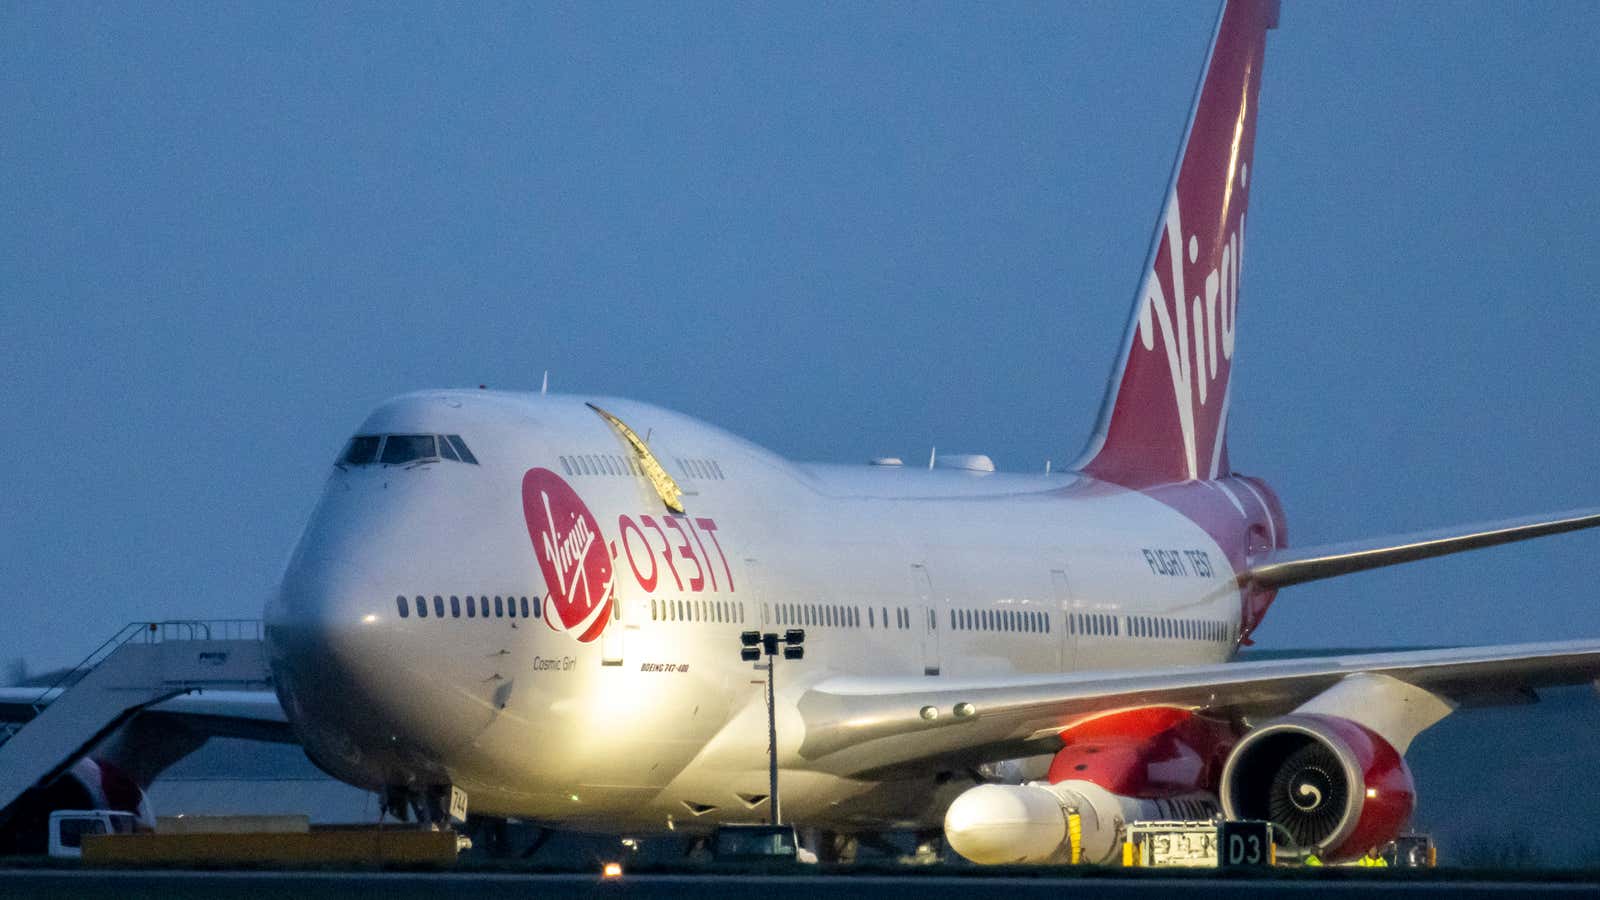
88,784
1336,787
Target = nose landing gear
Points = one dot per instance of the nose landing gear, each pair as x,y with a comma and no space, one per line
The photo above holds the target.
433,807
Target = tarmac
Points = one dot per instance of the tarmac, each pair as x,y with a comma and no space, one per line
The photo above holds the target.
303,885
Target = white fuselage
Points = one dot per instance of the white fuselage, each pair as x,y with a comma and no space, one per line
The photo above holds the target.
657,723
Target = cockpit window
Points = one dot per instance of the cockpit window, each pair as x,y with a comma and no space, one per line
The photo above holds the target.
461,448
405,448
362,450
402,449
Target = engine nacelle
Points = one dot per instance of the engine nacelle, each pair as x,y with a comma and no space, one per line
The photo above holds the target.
88,784
1337,788
996,824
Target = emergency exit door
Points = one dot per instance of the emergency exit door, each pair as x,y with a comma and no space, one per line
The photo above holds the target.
1062,615
926,618
613,641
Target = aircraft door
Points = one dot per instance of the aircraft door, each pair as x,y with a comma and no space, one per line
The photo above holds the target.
1064,604
613,640
926,617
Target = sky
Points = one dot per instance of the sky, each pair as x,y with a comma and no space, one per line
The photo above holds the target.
229,230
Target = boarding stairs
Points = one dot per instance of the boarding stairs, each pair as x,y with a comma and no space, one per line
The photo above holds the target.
143,664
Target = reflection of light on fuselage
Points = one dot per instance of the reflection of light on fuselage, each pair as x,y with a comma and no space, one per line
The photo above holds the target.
424,696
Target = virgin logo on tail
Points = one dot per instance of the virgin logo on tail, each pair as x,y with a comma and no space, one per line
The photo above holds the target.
1197,337
573,555
1165,416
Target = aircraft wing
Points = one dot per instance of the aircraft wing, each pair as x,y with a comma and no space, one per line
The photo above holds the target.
858,725
1281,568
256,715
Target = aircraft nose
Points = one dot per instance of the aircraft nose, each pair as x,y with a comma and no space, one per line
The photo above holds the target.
323,628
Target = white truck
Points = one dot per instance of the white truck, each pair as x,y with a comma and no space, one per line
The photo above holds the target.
68,826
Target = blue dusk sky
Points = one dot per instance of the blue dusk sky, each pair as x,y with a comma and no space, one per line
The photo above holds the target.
228,230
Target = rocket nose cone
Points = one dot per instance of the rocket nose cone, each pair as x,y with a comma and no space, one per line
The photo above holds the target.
995,824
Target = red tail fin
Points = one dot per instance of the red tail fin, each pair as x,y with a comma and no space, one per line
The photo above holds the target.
1165,415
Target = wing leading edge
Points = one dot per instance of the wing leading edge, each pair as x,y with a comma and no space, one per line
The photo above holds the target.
859,725
1295,566
255,715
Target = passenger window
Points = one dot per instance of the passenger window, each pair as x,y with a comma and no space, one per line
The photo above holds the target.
403,607
438,606
455,607
524,605
483,606
499,612
461,448
472,608
361,451
422,607
405,448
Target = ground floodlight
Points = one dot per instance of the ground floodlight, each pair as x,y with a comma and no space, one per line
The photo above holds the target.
750,638
794,636
750,654
793,652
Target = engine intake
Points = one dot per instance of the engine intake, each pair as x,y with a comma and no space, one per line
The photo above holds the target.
1337,788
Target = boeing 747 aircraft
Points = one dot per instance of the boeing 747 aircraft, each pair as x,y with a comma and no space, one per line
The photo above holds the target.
538,600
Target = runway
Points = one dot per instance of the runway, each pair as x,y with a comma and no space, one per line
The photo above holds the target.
158,885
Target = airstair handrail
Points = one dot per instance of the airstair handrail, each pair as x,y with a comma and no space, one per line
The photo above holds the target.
95,657
152,633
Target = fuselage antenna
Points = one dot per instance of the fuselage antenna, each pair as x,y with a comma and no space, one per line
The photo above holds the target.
933,454
544,386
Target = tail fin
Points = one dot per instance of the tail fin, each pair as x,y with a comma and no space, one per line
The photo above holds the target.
1165,414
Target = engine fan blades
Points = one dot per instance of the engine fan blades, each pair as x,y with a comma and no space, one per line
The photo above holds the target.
1308,795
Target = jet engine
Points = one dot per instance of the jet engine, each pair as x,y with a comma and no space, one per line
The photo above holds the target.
996,824
1336,787
88,784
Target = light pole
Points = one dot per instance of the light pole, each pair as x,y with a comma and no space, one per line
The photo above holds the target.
753,645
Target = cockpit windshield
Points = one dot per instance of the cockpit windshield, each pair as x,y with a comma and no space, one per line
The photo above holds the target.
404,449
363,450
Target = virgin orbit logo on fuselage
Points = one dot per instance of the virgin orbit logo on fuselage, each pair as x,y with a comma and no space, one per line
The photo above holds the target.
573,555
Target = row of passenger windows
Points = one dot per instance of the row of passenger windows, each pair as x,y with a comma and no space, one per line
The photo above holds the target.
832,615
1149,627
705,469
1094,623
1179,629
719,611
600,464
1032,621
612,464
399,449
825,615
471,607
